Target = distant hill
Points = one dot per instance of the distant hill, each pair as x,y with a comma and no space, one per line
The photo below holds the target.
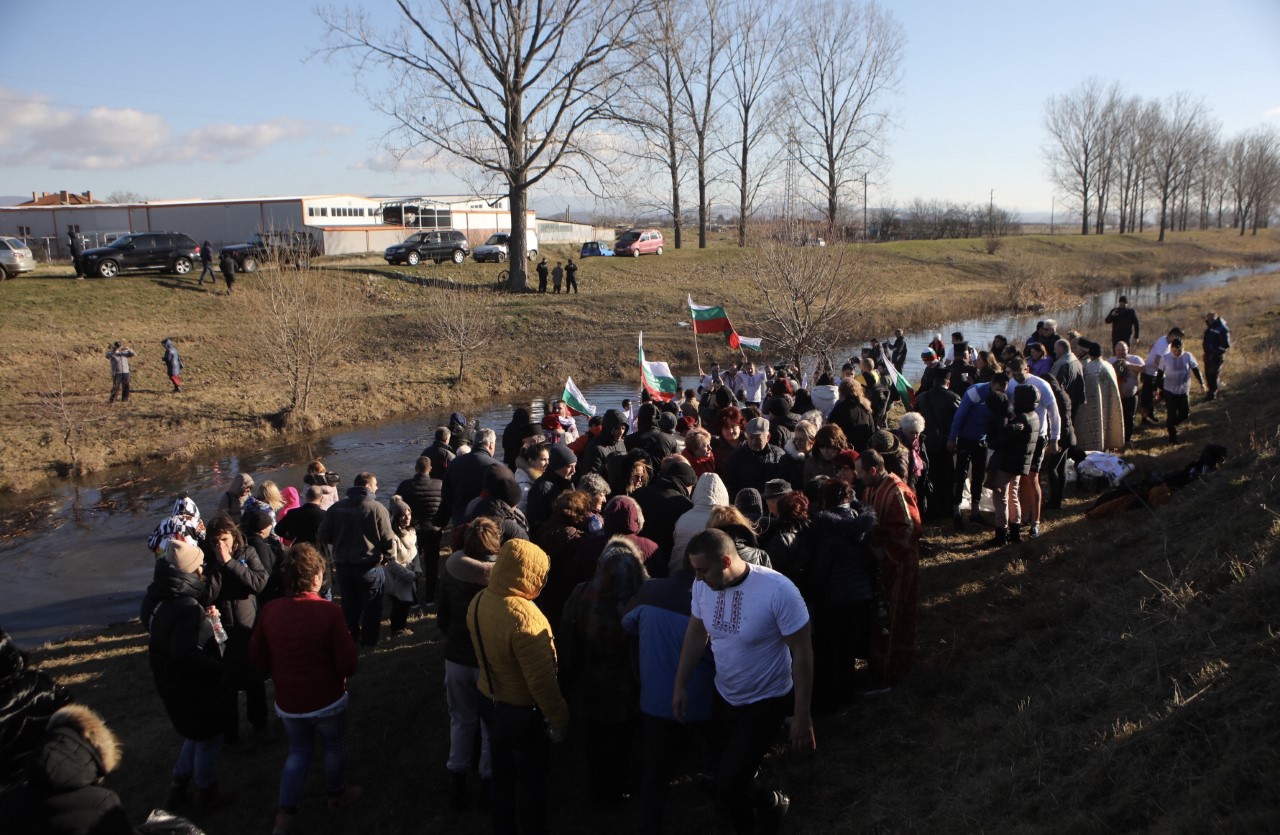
13,199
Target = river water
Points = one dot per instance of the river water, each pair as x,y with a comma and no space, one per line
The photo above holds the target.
75,560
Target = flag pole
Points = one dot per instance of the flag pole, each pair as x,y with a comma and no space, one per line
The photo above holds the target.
696,354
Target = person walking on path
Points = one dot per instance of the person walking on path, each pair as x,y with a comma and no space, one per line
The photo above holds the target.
758,627
542,279
571,277
557,277
1124,323
172,364
119,354
227,265
77,249
1217,340
206,263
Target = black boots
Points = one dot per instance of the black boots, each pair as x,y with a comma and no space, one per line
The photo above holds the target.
1015,532
1000,539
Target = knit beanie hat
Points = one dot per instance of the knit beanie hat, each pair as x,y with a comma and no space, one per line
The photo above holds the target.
182,555
560,456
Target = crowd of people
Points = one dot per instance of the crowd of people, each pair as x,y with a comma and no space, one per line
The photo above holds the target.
578,578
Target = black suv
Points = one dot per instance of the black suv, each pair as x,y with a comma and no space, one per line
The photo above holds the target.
164,251
292,249
445,245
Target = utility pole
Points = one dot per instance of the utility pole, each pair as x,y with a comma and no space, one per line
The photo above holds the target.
1052,202
991,213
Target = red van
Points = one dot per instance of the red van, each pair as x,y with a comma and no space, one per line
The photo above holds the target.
639,242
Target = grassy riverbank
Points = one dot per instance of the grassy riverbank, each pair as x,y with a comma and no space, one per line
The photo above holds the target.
55,331
1106,677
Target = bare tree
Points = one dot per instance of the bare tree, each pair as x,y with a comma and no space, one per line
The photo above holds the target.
812,297
73,416
1179,130
461,321
846,59
301,324
1077,126
755,58
701,67
1253,174
510,87
1133,117
123,196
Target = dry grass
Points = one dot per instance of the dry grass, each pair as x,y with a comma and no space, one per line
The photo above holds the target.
1109,677
234,396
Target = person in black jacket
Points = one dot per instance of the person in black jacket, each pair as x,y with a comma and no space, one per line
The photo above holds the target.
186,660
227,264
235,580
613,426
1055,465
755,462
555,479
938,405
839,588
440,452
465,479
63,792
499,501
1124,323
1012,437
422,494
649,436
514,434
302,524
460,432
28,697
662,501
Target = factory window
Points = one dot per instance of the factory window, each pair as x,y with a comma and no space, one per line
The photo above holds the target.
311,211
24,231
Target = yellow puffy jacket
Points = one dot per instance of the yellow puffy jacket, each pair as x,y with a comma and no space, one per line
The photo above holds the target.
516,637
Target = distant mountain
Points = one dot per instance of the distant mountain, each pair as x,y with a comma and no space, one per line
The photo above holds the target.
12,199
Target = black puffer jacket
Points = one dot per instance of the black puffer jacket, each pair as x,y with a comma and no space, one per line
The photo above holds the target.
61,795
513,436
649,438
422,493
464,577
184,655
748,468
28,697
938,406
662,501
1013,439
842,571
789,545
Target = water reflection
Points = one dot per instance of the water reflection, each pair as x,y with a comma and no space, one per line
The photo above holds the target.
77,557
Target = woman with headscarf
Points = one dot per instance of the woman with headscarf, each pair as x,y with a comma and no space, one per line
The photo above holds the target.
596,668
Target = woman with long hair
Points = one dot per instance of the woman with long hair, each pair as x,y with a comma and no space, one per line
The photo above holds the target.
302,642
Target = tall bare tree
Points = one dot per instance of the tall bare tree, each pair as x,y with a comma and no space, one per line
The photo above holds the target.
1077,127
1253,174
1178,131
756,61
845,60
701,66
509,86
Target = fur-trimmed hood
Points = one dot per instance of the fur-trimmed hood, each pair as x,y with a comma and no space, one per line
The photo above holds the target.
78,749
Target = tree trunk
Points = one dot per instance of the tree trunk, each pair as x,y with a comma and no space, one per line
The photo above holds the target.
518,277
675,200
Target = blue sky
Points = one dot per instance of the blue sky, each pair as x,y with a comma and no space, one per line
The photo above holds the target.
228,99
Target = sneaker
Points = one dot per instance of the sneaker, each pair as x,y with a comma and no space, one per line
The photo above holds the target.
770,817
1034,533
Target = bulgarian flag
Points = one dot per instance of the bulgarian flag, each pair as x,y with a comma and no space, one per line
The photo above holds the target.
657,377
710,319
573,398
900,386
715,320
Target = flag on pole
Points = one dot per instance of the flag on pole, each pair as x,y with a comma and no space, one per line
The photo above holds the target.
573,398
709,319
900,386
657,377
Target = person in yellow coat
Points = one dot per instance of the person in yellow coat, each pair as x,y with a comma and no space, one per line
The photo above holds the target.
521,700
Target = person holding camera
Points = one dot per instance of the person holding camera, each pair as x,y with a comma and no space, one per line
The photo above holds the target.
118,354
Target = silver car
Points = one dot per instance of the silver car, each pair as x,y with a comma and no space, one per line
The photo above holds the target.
15,257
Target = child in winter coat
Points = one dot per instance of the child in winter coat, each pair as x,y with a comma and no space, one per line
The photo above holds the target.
403,570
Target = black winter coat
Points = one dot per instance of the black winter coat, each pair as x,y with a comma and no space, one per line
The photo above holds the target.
542,495
30,697
185,658
61,797
513,435
789,546
662,502
301,524
422,494
462,482
843,569
748,468
855,420
938,406
459,583
441,456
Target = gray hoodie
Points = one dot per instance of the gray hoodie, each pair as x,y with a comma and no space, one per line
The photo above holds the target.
708,493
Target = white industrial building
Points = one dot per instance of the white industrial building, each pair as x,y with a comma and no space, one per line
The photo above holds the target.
345,223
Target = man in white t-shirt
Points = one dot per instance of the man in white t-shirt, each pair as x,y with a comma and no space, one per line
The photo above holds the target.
1178,366
758,627
753,384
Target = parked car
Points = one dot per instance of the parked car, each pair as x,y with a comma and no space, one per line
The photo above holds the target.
434,246
164,251
293,249
595,248
497,248
639,242
15,257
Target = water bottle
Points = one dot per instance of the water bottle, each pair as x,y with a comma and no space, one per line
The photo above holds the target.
215,619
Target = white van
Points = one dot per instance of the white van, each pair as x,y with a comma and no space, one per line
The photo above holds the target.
495,249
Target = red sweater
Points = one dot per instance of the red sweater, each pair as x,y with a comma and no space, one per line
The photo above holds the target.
302,642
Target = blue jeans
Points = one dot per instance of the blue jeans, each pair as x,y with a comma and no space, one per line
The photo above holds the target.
302,744
361,590
198,758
